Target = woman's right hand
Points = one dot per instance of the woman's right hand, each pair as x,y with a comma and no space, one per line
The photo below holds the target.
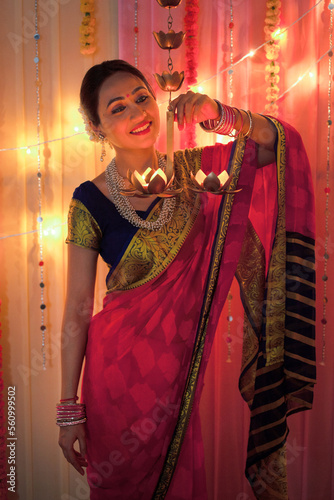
68,435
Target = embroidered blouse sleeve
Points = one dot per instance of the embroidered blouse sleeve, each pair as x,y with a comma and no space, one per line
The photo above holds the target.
83,230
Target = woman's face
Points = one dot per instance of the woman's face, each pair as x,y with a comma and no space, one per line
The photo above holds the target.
129,115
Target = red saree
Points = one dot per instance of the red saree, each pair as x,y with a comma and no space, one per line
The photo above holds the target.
148,348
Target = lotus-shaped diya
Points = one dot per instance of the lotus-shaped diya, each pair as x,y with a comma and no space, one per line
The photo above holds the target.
212,183
169,40
169,3
150,183
170,82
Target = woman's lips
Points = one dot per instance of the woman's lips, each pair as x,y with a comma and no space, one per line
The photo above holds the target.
142,129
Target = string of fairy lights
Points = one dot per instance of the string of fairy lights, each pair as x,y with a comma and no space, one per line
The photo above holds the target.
42,230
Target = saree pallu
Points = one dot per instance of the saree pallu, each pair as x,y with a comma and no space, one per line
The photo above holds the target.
148,348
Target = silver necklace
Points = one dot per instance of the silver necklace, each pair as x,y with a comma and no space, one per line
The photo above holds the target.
115,183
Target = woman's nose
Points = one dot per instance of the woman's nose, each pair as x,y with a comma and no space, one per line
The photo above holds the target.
137,112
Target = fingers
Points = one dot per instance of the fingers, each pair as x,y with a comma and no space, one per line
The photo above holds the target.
67,438
76,460
82,445
193,108
184,108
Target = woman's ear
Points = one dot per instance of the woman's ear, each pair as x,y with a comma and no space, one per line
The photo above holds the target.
95,129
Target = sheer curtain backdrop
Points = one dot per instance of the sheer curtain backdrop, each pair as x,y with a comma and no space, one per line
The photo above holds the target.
41,471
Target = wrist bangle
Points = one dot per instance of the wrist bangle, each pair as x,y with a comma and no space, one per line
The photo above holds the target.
213,125
69,399
226,123
70,413
251,124
241,126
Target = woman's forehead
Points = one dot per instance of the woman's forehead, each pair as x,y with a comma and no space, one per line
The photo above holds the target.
120,84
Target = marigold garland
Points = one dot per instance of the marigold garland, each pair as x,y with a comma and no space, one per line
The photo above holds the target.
87,28
272,49
191,42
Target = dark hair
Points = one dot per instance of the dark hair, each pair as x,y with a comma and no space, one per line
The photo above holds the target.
93,80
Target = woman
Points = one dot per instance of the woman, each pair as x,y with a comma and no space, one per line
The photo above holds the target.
171,262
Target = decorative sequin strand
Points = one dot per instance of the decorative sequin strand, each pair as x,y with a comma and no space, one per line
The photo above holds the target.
230,97
136,31
327,188
231,71
39,181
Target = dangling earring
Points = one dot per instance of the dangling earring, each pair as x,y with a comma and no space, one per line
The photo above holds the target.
103,147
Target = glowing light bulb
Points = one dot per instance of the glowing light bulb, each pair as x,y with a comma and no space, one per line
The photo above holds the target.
28,151
276,33
251,53
200,89
311,75
76,129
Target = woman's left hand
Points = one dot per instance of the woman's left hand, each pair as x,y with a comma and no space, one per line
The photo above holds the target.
193,108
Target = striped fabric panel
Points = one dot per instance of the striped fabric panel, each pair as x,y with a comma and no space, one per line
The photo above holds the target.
268,428
281,389
299,346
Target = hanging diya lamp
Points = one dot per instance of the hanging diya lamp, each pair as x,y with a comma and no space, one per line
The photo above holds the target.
157,182
170,81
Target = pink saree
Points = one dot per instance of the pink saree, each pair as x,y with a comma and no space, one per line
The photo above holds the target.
148,348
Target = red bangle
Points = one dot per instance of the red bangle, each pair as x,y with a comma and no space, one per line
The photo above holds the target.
69,399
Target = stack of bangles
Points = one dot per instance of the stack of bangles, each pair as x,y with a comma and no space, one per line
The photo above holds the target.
225,124
69,412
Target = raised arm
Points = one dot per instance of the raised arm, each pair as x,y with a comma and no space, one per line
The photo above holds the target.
197,108
77,316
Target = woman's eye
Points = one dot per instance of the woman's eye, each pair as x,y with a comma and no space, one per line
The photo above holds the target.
142,98
117,110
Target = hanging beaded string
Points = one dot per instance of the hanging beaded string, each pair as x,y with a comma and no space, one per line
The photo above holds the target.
39,181
327,188
230,96
136,30
230,71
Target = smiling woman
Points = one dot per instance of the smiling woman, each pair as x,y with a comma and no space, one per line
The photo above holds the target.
171,262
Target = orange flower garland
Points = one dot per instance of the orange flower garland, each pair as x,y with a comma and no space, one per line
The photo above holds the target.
272,49
87,28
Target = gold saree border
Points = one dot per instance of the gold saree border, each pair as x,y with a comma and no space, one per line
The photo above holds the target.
190,388
276,288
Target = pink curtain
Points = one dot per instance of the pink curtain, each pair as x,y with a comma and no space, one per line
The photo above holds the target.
41,471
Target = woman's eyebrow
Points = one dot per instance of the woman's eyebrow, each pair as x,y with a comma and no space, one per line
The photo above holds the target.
121,97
